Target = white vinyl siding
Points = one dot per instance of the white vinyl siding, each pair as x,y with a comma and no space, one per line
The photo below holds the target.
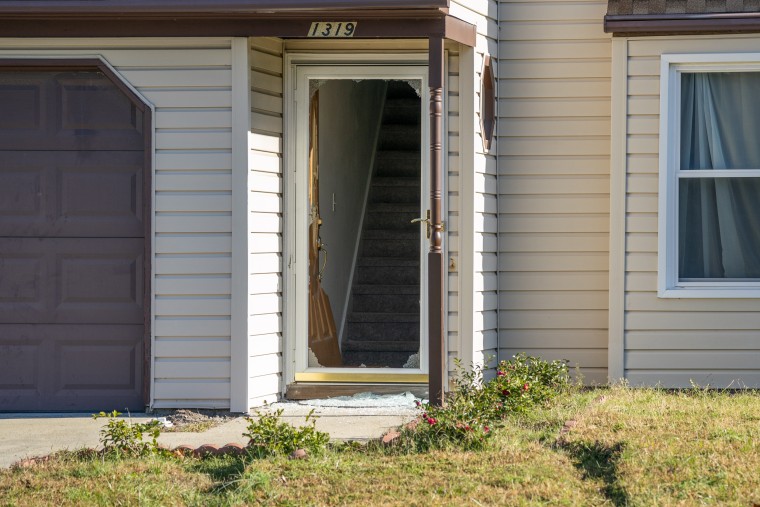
554,159
672,342
188,81
478,281
452,246
265,225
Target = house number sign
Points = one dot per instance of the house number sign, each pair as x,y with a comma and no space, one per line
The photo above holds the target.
332,29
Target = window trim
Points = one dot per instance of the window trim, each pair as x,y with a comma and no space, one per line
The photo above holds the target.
671,68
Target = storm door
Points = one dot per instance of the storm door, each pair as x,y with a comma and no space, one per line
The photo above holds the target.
359,240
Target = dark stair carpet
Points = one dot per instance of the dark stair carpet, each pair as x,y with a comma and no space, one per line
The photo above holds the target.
383,322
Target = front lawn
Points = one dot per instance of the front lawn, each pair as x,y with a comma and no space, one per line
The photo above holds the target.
615,446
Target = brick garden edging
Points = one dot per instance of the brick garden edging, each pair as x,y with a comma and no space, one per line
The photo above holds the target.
210,450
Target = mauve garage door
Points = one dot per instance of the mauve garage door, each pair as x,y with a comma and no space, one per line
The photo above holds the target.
72,242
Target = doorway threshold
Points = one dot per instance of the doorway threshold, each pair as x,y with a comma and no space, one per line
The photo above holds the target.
316,390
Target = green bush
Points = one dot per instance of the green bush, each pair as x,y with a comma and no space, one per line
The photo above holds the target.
123,437
269,436
525,381
475,406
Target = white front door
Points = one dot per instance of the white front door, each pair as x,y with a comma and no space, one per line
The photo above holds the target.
357,284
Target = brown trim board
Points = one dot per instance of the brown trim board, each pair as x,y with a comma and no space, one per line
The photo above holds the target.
682,24
386,24
436,316
183,7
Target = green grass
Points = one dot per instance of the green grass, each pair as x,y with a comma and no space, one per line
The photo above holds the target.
623,447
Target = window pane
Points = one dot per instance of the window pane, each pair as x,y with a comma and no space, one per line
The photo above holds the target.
720,120
719,228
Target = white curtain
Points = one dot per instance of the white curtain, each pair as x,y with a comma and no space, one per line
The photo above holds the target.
719,218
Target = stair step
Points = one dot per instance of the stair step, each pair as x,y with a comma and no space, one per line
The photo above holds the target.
392,220
373,359
400,137
407,102
410,346
390,247
378,318
397,194
385,303
386,289
410,232
402,111
388,275
388,261
393,207
389,163
370,331
395,181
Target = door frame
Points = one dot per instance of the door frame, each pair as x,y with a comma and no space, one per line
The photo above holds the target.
302,67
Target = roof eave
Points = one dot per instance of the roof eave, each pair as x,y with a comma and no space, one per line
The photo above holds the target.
681,24
193,8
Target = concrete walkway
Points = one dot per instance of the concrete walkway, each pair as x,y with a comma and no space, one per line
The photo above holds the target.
31,435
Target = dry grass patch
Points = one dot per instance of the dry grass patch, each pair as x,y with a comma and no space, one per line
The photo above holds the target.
657,447
624,447
86,479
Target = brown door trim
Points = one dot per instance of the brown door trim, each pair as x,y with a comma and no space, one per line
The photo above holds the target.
437,348
90,64
397,25
681,24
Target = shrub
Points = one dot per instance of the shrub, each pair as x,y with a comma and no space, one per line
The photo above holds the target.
474,406
270,436
123,437
525,381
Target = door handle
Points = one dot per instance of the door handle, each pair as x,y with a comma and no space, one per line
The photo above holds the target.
321,248
426,220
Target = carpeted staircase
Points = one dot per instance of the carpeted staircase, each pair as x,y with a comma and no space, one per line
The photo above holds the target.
383,321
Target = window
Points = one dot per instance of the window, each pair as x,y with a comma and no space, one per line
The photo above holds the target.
709,178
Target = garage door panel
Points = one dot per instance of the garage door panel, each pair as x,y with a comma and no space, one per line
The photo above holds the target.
72,240
96,281
99,200
19,365
21,276
22,102
21,192
58,194
104,286
98,363
90,101
81,110
98,367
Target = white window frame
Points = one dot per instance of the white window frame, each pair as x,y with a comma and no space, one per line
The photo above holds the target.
672,67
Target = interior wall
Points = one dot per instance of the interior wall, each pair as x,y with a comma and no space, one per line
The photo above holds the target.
349,113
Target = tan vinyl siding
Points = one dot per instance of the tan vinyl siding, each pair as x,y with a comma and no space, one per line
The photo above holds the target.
554,159
672,342
265,234
480,337
188,81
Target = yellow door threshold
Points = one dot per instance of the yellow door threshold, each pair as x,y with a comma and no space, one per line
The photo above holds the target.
310,391
377,378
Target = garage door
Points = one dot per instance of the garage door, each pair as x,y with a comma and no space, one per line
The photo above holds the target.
72,241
